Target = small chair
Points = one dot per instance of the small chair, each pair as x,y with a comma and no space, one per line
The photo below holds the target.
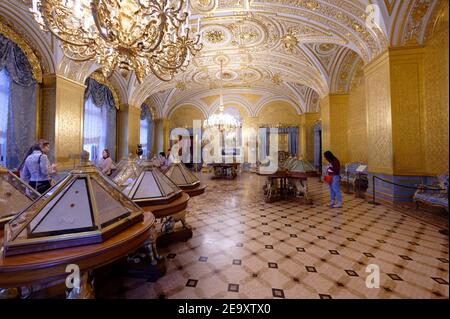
434,194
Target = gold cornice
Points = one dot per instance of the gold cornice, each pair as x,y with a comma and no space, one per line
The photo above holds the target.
36,68
277,125
102,80
372,65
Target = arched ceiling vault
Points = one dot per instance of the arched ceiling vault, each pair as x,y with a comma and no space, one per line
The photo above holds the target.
302,50
262,43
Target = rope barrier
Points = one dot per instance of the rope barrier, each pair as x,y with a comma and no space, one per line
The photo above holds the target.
410,187
373,201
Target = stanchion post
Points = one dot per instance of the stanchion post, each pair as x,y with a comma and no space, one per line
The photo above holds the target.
348,182
373,201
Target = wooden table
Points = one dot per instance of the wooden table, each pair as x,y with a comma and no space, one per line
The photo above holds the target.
50,266
225,170
286,186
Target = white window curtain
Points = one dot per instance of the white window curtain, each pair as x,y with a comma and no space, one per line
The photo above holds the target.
99,131
94,132
4,106
143,136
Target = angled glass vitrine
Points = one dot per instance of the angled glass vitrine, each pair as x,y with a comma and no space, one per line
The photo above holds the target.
15,195
83,208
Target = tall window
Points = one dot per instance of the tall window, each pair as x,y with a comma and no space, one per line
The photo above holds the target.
4,103
99,131
145,134
17,104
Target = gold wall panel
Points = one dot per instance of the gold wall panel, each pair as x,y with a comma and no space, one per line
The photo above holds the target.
379,124
185,116
47,111
306,141
407,110
338,126
436,100
158,136
128,129
334,126
122,131
278,112
69,112
357,125
325,116
134,128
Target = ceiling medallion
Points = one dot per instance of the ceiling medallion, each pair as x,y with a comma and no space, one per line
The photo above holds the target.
215,36
144,36
290,42
276,78
204,5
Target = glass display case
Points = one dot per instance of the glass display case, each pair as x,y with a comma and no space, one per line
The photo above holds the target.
181,176
151,186
15,195
83,208
127,171
301,166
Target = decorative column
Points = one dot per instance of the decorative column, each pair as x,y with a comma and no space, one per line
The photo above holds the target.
166,133
128,129
395,122
62,110
333,111
306,132
161,138
250,138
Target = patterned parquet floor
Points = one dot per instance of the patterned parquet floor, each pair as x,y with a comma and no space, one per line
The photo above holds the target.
245,248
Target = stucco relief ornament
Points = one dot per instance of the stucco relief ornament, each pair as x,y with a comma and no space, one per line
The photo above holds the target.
290,42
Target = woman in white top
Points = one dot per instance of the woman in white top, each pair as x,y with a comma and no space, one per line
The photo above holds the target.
37,169
106,164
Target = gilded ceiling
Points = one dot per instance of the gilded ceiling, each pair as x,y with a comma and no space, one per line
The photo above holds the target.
296,50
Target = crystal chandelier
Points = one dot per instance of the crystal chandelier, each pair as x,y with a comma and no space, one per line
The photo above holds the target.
221,121
144,36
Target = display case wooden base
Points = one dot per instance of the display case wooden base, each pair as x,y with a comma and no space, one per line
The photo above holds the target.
196,191
41,268
169,215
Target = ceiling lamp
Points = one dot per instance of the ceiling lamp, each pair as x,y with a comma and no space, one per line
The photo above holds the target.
221,121
144,36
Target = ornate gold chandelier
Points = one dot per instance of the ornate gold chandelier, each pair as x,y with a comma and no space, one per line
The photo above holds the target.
144,36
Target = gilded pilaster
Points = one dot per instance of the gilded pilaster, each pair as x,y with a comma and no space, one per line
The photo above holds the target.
334,125
250,129
128,129
306,144
396,130
161,136
62,118
407,110
301,146
379,119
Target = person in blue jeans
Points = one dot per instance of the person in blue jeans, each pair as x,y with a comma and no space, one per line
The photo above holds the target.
334,171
